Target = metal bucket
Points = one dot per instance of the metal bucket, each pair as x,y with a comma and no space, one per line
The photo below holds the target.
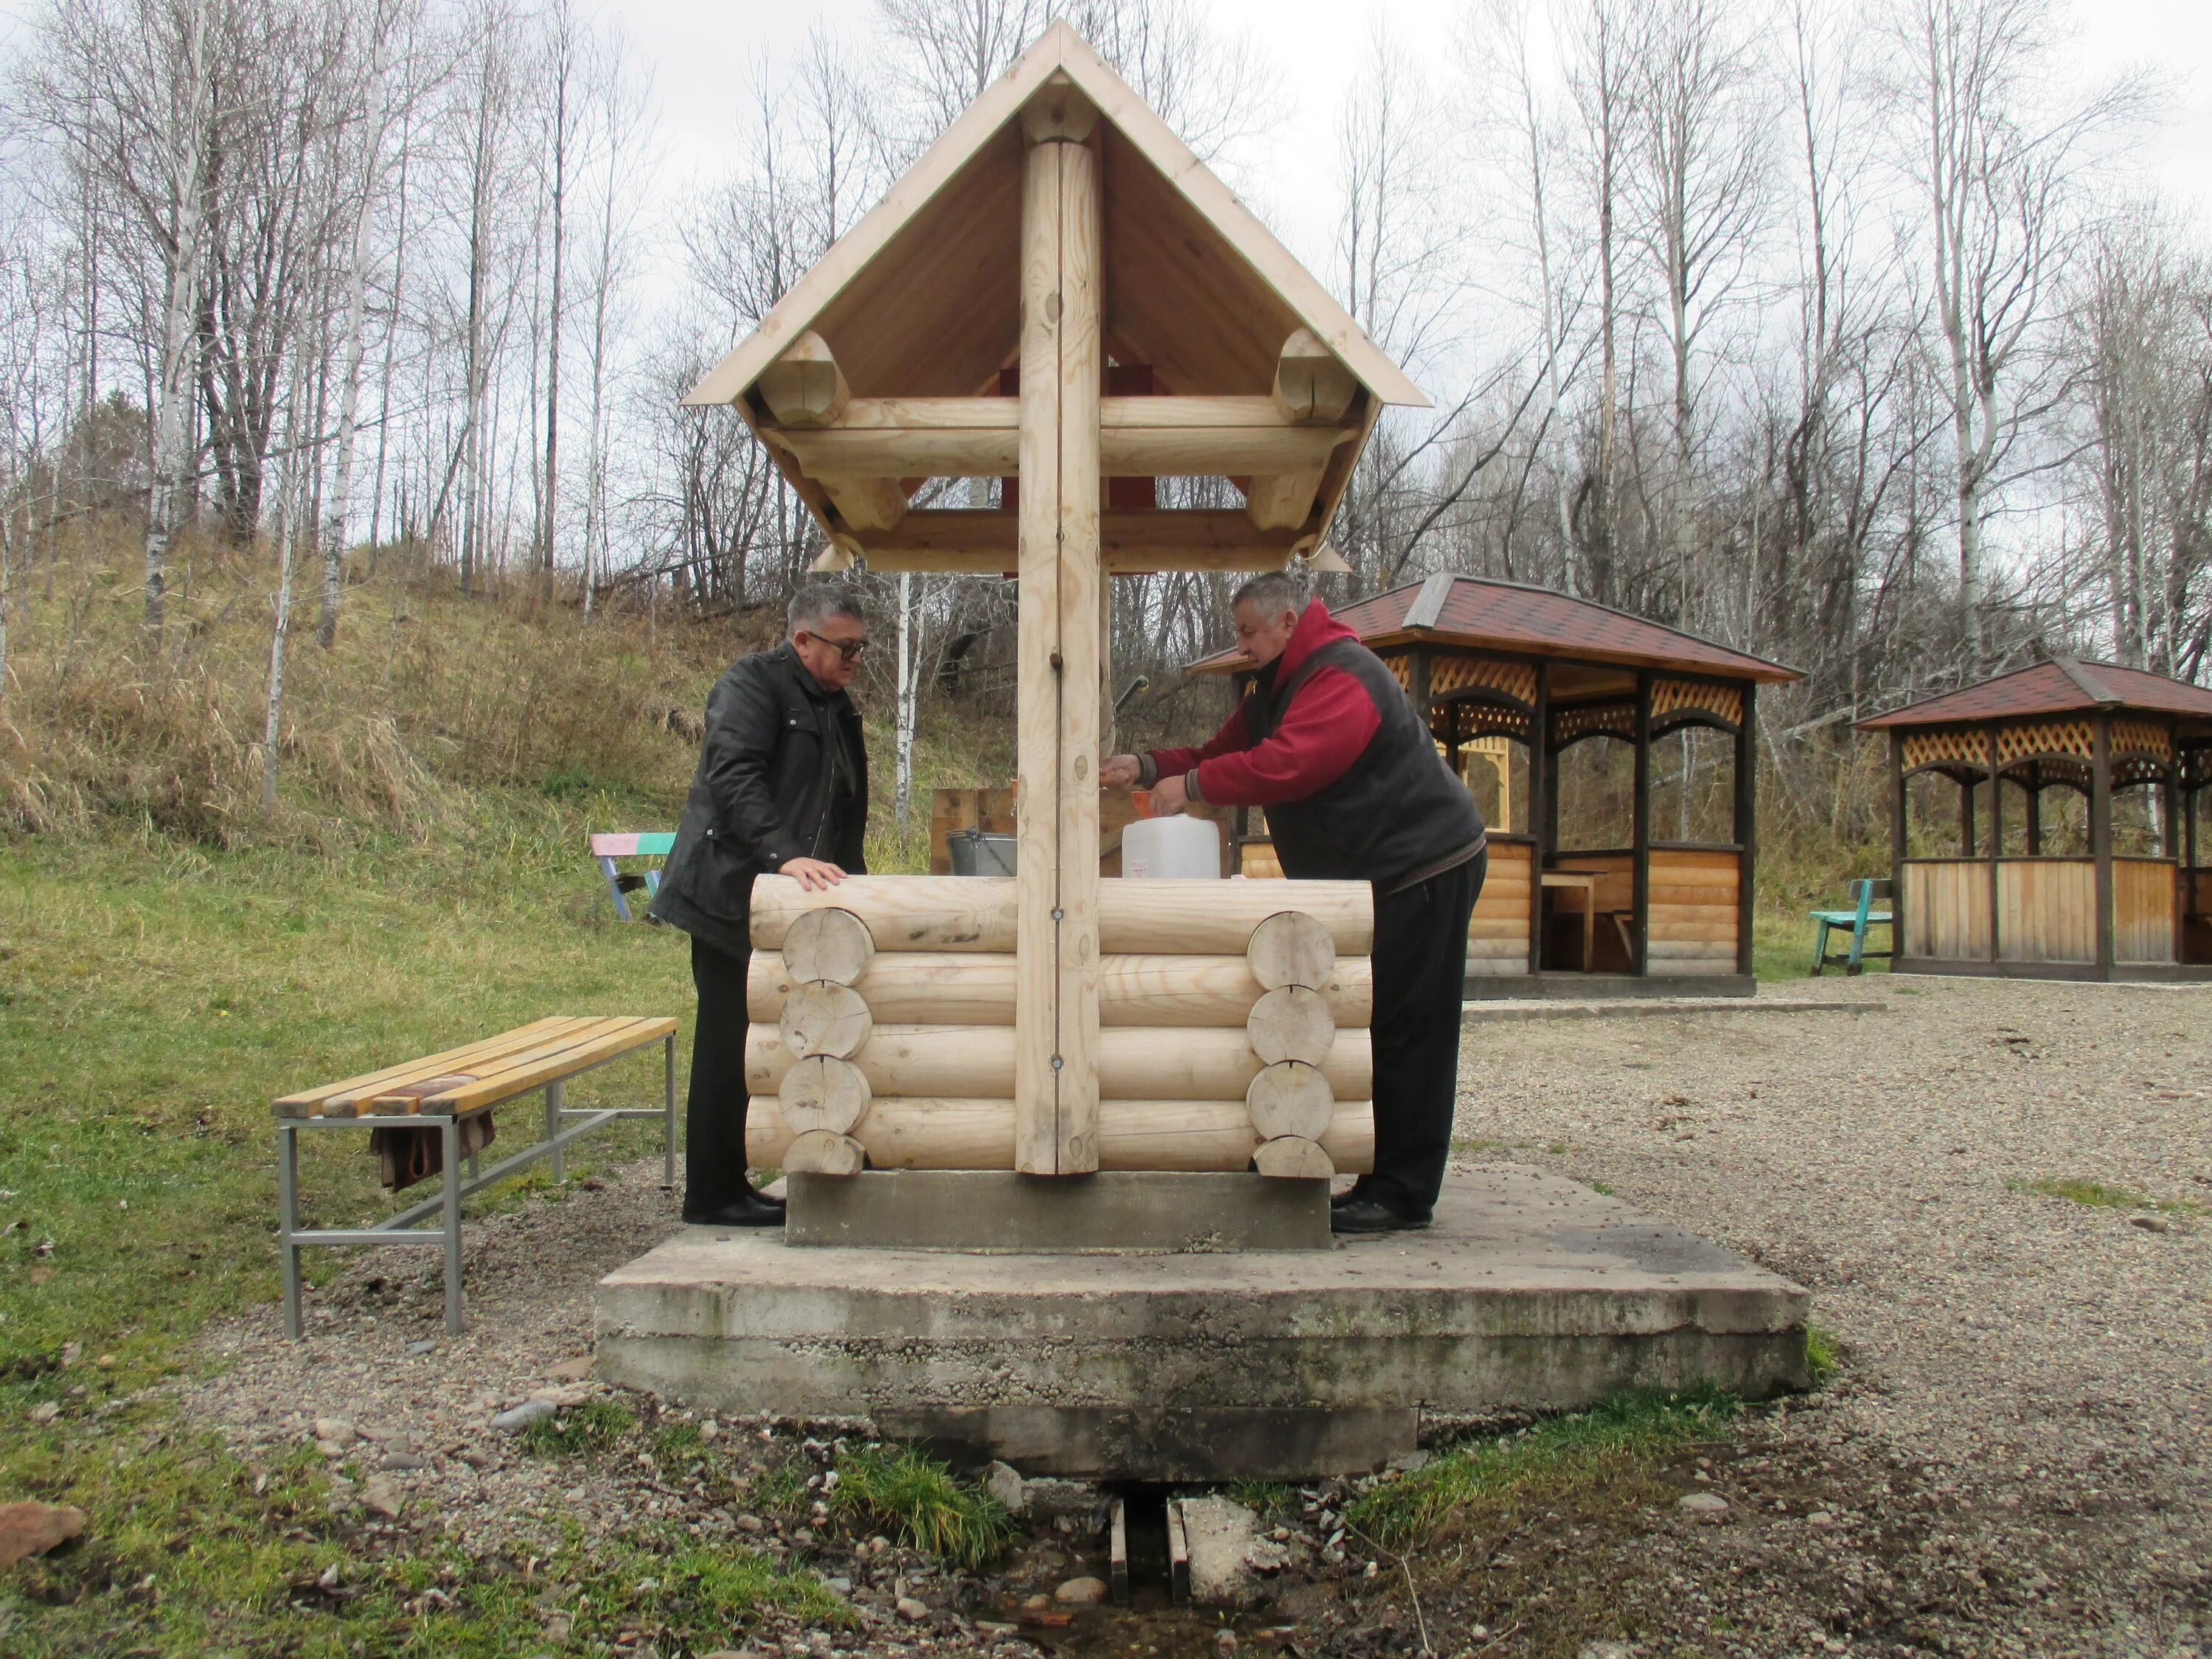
975,854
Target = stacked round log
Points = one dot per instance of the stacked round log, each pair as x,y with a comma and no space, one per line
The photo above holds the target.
1234,1021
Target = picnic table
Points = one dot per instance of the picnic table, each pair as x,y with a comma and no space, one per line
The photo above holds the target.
444,1091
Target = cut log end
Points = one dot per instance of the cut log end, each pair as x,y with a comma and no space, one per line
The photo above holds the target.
1290,1098
822,1019
1290,1023
819,1152
1292,1158
822,1093
827,944
1292,948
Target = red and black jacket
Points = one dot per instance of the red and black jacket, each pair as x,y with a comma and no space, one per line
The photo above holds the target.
1326,741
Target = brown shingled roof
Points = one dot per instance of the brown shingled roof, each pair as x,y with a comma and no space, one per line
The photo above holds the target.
1481,614
2062,685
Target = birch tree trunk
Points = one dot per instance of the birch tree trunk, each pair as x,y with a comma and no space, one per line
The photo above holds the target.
173,457
354,345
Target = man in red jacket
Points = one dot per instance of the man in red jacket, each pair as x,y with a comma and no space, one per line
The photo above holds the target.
1355,791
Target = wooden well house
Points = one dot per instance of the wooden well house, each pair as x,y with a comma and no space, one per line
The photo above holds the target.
1494,663
2092,869
1060,296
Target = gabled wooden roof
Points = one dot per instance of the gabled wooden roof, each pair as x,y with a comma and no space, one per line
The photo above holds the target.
1479,614
2063,685
921,297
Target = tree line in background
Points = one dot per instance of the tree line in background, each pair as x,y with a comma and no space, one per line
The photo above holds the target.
1844,334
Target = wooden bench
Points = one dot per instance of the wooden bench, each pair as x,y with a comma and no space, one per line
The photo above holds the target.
643,844
442,1091
1854,921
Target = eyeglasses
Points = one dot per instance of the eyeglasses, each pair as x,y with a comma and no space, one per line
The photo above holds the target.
847,649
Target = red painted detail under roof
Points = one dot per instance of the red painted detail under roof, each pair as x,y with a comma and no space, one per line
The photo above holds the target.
1481,614
2062,686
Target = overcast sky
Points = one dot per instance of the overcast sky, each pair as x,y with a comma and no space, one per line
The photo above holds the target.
701,51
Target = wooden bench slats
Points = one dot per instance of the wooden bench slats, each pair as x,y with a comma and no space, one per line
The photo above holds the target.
310,1103
523,1075
482,1073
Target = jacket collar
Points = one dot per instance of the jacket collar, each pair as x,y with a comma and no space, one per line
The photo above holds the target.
788,653
1315,628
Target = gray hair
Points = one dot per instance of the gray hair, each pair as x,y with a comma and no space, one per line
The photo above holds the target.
818,602
1271,593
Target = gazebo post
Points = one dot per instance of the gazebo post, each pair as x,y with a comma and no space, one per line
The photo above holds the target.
1542,784
1967,841
1896,846
1996,830
2034,788
1747,825
1056,930
1640,899
2100,836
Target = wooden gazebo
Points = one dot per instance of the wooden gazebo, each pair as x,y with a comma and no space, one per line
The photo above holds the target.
1495,662
2006,902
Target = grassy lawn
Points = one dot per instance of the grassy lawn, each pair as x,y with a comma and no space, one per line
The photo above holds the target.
153,999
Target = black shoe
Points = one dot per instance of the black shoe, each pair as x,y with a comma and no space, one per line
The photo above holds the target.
753,1210
1367,1215
1352,1194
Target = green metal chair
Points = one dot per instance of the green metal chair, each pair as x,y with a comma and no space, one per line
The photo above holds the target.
1856,920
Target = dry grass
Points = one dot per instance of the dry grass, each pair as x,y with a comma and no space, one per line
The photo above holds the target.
424,697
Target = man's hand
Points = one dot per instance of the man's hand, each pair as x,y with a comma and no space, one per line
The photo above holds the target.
1169,795
1119,772
815,875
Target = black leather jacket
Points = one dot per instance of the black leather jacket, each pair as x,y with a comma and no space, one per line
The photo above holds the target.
766,792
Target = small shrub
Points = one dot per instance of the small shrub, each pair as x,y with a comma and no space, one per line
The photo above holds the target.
2095,1195
1555,1453
588,1427
1823,1354
914,1499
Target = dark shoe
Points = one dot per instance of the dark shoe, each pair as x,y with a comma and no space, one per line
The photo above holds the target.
753,1210
1367,1215
1352,1194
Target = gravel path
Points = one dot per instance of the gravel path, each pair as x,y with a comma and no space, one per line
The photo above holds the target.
2012,1459
2042,1361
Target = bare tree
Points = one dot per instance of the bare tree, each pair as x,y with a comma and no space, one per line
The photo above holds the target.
2000,160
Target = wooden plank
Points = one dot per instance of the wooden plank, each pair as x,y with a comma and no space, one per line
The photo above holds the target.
522,1076
412,1094
918,987
1131,540
921,1133
980,438
343,1099
1134,1062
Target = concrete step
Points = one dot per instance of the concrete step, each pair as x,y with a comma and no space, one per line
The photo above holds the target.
1530,1292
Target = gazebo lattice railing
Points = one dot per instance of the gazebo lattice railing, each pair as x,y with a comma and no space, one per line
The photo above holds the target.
2100,913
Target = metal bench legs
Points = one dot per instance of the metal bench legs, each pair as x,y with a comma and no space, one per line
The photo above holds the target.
562,1126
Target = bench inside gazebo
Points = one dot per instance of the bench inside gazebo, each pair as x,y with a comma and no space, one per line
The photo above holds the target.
1639,825
2091,870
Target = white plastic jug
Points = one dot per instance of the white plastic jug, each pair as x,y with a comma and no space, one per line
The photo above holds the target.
1176,847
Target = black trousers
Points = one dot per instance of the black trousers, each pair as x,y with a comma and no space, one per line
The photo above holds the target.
714,1110
1420,969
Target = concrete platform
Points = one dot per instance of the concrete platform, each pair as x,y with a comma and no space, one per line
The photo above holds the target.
998,1210
1529,1292
1483,988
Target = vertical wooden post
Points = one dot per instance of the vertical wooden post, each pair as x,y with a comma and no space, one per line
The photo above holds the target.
2035,810
2101,838
1996,830
1747,826
1056,935
1967,839
1541,824
1641,869
1417,684
1897,844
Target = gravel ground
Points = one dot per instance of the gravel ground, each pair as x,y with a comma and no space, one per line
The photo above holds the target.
2011,1459
2028,1373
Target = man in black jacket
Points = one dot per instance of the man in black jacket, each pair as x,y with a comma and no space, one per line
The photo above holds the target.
1355,791
782,786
